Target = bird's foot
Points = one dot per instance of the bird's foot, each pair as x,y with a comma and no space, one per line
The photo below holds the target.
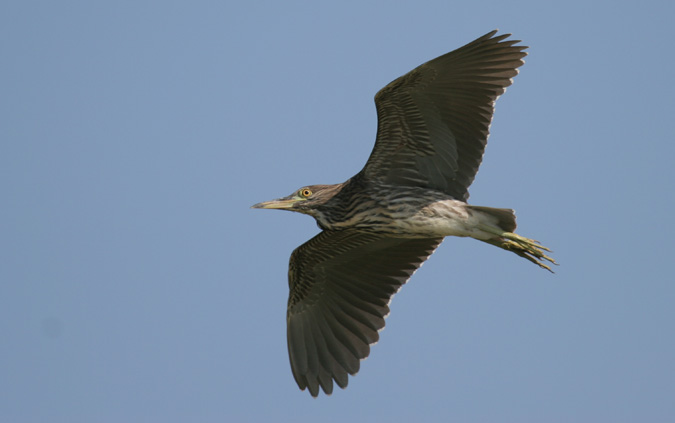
528,248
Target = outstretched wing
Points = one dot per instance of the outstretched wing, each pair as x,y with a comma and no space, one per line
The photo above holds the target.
341,283
433,122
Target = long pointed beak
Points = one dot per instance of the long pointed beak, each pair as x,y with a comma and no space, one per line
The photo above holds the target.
285,203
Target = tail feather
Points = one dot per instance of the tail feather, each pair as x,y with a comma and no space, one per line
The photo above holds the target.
506,218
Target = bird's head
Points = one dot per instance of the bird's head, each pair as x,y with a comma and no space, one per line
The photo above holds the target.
306,200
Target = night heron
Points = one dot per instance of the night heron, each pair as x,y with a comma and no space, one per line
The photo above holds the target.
381,224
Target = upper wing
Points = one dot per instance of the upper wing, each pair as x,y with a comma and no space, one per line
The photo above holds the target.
433,122
341,283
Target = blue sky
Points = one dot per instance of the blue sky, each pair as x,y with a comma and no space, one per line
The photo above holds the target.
137,285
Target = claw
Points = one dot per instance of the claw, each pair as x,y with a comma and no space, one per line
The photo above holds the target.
528,248
531,251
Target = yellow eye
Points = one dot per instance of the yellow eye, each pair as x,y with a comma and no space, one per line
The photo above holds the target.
305,192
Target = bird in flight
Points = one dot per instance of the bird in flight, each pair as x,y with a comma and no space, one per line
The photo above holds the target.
379,226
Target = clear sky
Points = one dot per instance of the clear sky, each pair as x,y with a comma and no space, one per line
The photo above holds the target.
137,285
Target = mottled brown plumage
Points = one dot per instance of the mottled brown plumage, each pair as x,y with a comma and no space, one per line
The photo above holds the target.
383,223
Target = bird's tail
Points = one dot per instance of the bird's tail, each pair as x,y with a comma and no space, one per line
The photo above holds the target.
505,238
506,218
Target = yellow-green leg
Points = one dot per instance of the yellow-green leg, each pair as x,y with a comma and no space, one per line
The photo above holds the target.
524,247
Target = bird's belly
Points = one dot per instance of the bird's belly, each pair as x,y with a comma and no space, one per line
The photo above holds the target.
442,218
437,219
